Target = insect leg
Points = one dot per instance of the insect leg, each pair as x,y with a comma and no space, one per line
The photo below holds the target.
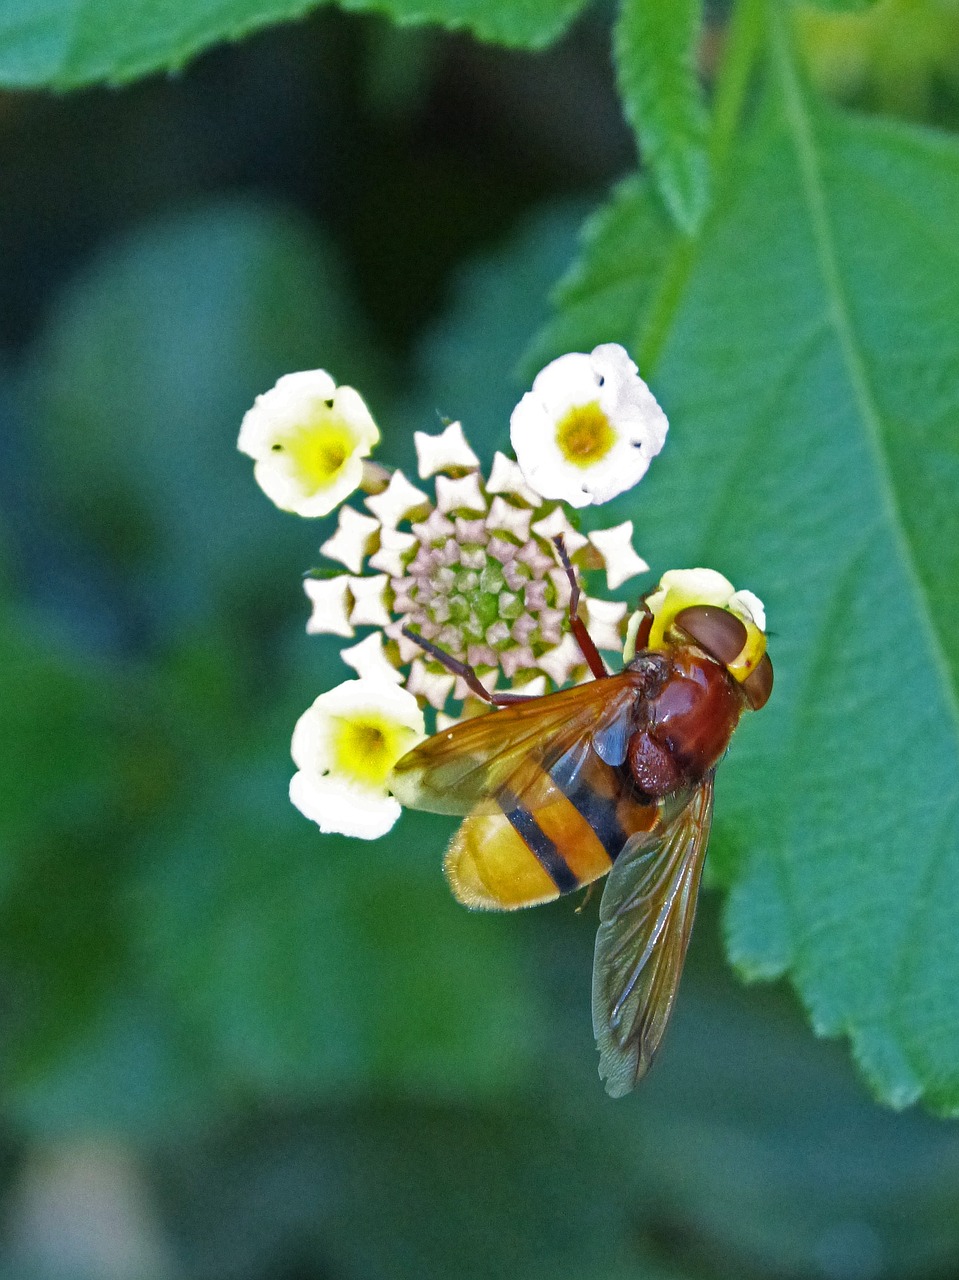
465,672
576,624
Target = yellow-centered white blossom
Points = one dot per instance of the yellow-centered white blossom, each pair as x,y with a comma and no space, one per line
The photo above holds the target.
308,438
589,427
345,746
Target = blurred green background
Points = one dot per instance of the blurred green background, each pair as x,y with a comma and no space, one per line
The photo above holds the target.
231,1049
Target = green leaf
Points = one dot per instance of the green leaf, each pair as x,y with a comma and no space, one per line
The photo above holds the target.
656,42
809,367
66,43
839,6
608,293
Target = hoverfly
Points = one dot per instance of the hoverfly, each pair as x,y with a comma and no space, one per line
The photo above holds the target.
613,776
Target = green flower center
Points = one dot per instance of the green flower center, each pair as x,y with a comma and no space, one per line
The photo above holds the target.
585,435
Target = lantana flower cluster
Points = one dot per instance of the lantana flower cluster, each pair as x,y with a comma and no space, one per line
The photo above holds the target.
468,561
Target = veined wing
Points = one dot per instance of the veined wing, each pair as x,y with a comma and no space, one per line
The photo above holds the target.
646,917
454,770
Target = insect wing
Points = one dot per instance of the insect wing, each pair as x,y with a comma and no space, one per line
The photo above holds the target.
646,917
456,769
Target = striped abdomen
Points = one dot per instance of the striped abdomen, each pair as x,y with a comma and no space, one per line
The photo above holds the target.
548,832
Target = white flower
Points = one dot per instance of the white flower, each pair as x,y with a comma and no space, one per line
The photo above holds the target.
589,427
308,438
353,539
344,747
448,451
681,588
332,603
749,607
616,547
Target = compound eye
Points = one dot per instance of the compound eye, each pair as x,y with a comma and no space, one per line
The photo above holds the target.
758,685
721,634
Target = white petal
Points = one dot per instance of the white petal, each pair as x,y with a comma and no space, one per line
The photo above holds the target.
393,552
534,688
603,619
556,523
351,542
282,404
369,597
506,477
616,547
446,452
341,808
400,500
460,495
368,659
749,606
331,606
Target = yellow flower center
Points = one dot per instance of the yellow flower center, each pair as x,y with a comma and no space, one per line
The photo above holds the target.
320,450
585,435
368,746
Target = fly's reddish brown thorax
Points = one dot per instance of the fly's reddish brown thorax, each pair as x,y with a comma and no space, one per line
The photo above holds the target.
685,720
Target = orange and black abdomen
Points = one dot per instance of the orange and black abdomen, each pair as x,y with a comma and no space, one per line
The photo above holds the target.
552,829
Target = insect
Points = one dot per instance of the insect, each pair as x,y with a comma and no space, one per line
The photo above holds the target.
614,777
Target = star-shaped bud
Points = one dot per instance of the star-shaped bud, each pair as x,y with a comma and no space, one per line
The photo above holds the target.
400,500
369,601
332,603
447,452
616,548
354,539
368,659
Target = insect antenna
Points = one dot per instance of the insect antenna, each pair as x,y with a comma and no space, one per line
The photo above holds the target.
576,624
464,671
